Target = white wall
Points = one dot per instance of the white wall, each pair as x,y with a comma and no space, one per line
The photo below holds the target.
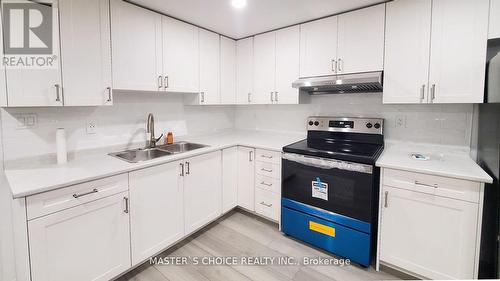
441,124
122,123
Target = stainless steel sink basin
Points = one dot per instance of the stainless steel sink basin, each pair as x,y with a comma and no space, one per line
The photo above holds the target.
180,147
139,155
144,154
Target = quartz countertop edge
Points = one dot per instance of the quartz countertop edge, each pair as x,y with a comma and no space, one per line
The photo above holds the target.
445,162
33,179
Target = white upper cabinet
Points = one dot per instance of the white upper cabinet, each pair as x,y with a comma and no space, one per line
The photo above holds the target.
457,66
407,37
318,47
137,47
156,204
264,68
3,86
202,190
361,40
494,28
244,71
180,56
227,70
287,65
86,52
38,87
209,67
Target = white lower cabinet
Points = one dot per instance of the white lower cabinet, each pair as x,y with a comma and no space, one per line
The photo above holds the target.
268,184
229,178
156,203
428,235
246,177
202,190
87,242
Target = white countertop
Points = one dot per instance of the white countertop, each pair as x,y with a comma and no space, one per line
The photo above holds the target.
30,177
446,161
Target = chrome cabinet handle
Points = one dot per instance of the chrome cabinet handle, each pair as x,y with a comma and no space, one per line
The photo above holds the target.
182,169
109,94
160,82
58,94
341,65
249,99
76,195
267,184
250,159
266,170
265,156
422,93
276,96
434,185
433,92
188,169
267,205
272,99
202,96
386,194
166,82
334,66
126,205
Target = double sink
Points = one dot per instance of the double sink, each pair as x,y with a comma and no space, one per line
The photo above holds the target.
145,154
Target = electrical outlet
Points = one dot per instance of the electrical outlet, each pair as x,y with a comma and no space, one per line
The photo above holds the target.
400,121
26,121
91,127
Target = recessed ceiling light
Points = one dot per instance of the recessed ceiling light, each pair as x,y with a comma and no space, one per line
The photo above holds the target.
238,4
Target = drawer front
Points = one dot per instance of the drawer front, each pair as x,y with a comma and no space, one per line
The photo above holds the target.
268,183
436,185
267,170
53,201
273,157
267,204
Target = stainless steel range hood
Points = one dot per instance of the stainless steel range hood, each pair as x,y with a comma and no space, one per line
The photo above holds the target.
368,82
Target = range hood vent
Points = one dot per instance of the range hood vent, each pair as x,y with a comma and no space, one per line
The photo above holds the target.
368,82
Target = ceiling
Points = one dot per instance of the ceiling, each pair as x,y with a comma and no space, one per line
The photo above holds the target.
257,17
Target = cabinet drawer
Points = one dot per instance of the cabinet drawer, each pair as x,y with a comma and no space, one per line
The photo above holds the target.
273,157
267,169
436,185
267,204
53,201
268,183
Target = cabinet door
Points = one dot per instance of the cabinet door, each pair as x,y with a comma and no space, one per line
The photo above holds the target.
227,70
137,52
287,65
3,86
407,51
244,71
38,87
264,58
361,40
494,26
87,242
209,67
318,47
86,52
156,209
202,190
229,178
246,177
432,236
457,64
180,56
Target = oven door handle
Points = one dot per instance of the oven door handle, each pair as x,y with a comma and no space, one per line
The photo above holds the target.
323,163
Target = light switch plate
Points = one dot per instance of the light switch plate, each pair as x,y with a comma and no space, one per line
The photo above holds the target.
91,127
400,121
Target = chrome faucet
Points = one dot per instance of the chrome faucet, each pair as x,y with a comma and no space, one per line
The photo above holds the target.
150,129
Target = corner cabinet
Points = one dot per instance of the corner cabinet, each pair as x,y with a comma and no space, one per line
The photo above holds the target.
425,55
209,68
244,71
430,226
229,179
227,70
97,233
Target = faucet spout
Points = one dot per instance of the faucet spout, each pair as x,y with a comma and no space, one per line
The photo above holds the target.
150,129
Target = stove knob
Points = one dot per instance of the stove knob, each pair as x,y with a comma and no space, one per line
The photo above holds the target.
311,123
377,125
316,123
369,125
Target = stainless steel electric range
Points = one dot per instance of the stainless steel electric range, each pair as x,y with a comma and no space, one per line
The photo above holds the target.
330,186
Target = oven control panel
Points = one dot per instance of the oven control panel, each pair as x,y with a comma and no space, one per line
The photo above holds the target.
345,124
